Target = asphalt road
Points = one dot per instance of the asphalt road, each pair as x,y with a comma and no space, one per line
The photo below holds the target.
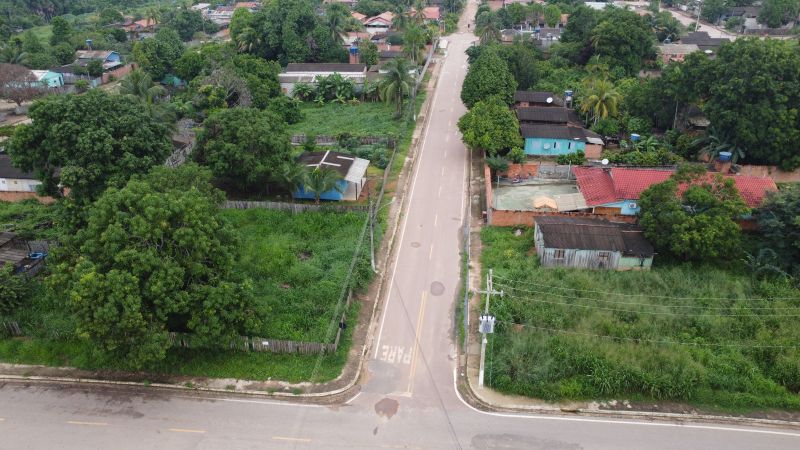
409,398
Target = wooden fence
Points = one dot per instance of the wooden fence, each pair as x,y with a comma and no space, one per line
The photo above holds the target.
299,139
293,207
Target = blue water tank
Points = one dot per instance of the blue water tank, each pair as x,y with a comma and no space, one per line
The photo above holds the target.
635,137
725,156
353,50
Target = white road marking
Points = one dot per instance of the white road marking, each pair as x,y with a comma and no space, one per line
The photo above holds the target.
435,219
446,139
93,424
353,398
283,438
442,171
187,430
417,334
617,421
430,254
440,191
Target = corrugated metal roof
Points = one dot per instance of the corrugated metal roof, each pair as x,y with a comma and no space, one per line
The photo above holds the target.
538,97
324,67
590,234
558,132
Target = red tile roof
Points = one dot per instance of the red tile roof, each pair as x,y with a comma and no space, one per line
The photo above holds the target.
600,186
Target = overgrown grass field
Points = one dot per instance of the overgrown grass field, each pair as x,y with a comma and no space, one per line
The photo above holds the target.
299,265
706,335
331,119
30,219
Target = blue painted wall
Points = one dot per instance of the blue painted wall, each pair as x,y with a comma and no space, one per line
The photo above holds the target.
625,207
536,146
333,194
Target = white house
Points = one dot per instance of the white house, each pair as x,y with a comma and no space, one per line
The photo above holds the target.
308,73
14,183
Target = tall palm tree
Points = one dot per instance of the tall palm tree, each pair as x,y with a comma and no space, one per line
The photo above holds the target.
321,180
337,16
139,84
247,39
418,13
413,43
601,100
290,176
396,83
487,27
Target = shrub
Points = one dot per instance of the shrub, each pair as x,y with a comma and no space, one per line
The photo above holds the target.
516,155
575,159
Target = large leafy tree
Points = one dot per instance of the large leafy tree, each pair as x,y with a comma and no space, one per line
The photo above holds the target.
487,76
623,38
85,143
779,222
155,257
698,224
521,59
62,30
490,126
244,145
157,54
752,96
775,13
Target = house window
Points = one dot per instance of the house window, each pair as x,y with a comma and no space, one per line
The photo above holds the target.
569,146
558,253
555,144
603,257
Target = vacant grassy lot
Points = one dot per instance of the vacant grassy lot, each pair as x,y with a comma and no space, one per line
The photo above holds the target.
705,335
331,119
299,264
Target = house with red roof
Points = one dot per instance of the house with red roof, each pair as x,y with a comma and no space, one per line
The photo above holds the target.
380,23
616,190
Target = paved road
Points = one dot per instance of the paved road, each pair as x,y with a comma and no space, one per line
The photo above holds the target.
690,21
408,400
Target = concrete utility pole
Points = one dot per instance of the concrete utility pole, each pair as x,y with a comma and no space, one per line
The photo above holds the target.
699,11
486,322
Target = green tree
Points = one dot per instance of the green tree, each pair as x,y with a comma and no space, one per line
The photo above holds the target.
138,84
108,16
414,43
552,15
94,68
624,39
490,126
85,143
320,180
521,59
14,289
751,92
487,76
396,83
64,53
713,9
156,257
369,53
580,25
601,100
775,13
186,23
157,54
62,31
698,225
244,145
779,222
487,27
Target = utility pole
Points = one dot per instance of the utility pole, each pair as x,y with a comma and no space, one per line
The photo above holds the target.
699,11
486,322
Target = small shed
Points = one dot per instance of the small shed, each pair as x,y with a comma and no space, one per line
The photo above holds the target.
352,169
591,244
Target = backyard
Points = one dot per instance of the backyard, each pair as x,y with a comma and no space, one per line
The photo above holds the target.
710,336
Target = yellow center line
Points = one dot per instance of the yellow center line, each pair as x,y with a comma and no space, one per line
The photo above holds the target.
186,430
417,333
282,438
95,424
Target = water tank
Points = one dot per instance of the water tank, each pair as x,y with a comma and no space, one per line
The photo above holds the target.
635,137
353,49
725,156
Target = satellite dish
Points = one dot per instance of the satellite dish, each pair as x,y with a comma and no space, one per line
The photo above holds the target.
604,162
549,100
708,52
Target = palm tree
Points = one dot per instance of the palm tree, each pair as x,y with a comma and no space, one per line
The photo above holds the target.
763,264
321,180
413,42
139,84
601,101
247,39
396,83
337,16
290,177
12,53
487,27
418,13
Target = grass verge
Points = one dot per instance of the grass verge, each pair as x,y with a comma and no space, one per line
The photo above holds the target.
706,335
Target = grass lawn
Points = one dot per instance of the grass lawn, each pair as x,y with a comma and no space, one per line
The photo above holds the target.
368,118
298,264
705,335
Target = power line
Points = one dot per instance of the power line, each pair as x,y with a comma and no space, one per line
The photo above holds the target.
649,341
534,291
638,295
663,313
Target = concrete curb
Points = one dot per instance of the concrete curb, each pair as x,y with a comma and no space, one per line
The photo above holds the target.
405,175
476,401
